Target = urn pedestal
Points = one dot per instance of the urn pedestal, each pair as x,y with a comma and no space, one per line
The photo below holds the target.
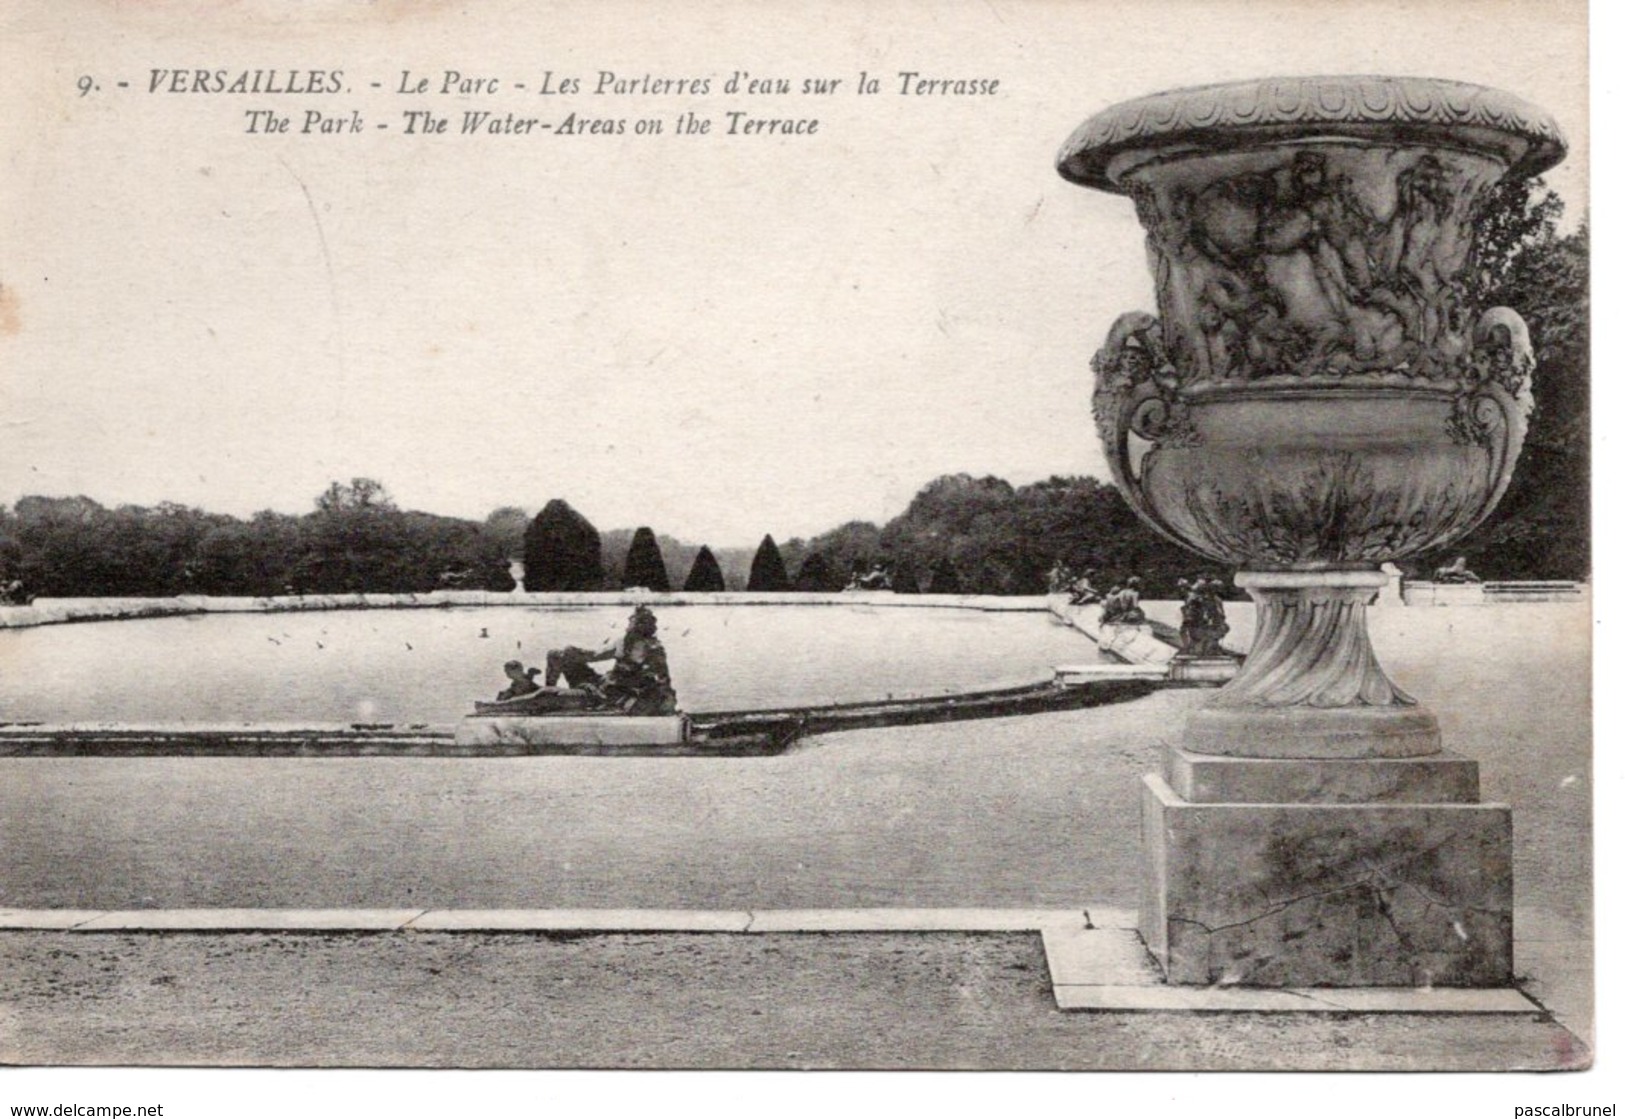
1326,872
1318,396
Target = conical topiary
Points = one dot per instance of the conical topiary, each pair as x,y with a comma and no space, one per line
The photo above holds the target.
644,565
562,551
706,574
767,569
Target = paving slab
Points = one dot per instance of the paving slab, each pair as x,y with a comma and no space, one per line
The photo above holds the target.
46,918
249,920
1111,917
1430,1000
1099,957
1135,996
1302,1000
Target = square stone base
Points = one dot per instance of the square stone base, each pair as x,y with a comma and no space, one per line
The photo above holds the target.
573,730
1327,895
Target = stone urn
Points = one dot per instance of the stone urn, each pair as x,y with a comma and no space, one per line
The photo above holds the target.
1316,396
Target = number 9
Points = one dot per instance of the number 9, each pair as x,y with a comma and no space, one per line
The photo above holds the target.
86,84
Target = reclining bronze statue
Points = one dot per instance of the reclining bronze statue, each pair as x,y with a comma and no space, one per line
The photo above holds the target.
637,683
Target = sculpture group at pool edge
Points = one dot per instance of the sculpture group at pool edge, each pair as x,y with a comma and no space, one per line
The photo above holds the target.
638,683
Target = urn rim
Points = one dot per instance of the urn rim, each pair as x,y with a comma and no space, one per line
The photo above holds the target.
1228,115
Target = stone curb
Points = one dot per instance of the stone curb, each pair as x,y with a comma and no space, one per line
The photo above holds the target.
1109,969
565,920
249,920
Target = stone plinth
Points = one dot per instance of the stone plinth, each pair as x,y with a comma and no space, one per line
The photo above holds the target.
1201,670
573,730
1327,894
1443,778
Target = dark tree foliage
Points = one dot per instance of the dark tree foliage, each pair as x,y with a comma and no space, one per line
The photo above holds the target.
562,551
73,546
944,579
903,579
767,569
360,493
1516,214
358,541
847,549
815,575
355,540
644,566
706,574
985,536
1541,529
506,525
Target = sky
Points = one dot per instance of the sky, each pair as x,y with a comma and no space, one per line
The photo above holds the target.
718,336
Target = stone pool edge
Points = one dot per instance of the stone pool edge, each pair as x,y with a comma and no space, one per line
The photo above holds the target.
61,611
718,734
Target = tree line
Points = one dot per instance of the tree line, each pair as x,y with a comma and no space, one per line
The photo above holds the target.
355,539
960,534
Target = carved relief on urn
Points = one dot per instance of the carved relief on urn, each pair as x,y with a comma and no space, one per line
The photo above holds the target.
1316,395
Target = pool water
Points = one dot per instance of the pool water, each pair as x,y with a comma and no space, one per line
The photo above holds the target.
429,665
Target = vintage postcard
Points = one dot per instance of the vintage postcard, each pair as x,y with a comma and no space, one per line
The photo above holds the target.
1013,535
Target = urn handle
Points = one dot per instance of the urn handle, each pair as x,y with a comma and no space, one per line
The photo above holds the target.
1497,400
1137,398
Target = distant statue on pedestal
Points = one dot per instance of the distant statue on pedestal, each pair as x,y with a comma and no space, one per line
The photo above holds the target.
1059,578
1122,606
1455,572
877,578
1190,616
1202,624
1081,590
